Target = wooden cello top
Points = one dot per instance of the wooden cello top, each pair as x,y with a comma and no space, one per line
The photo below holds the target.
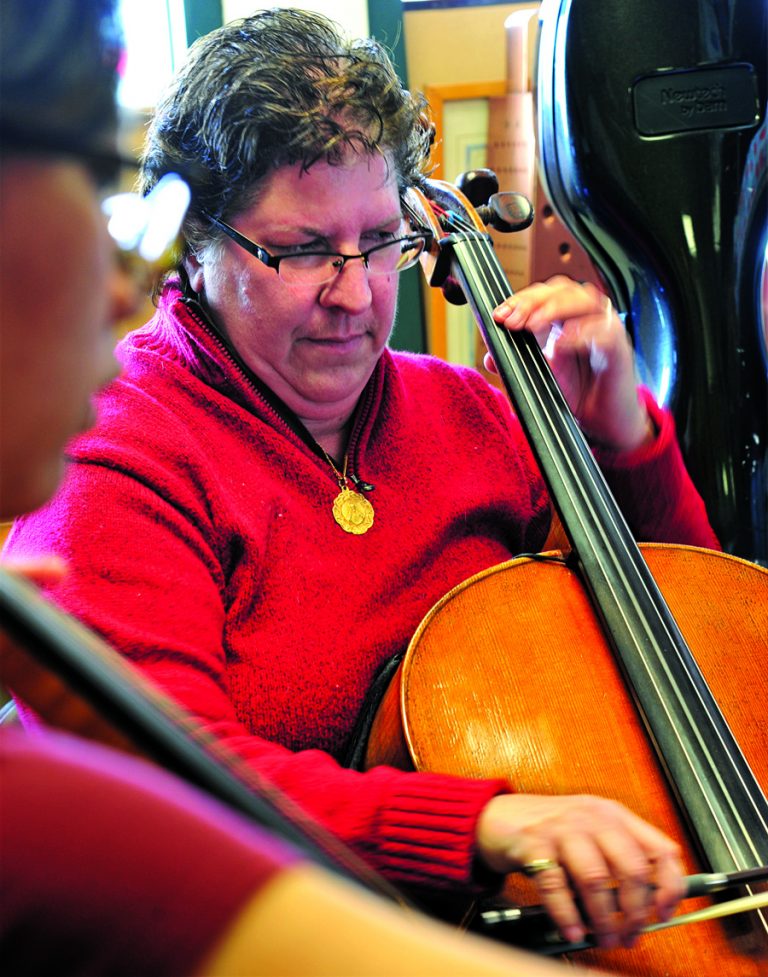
510,675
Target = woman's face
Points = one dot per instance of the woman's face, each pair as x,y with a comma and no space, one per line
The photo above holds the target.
56,307
315,346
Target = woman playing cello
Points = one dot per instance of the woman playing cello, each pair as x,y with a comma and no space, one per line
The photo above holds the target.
273,498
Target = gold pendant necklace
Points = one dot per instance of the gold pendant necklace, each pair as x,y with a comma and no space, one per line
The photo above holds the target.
351,510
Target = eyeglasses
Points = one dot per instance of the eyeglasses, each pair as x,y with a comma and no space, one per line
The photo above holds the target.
104,165
319,267
145,230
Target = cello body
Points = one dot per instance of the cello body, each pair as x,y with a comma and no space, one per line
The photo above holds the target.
510,676
654,152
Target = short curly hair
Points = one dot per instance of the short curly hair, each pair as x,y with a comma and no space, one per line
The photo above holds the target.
280,88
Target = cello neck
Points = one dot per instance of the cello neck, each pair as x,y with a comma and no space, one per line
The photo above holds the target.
725,807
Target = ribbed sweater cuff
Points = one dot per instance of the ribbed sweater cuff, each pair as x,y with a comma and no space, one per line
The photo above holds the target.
426,832
665,435
632,473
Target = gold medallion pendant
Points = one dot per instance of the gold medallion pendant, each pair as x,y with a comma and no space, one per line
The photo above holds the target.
353,512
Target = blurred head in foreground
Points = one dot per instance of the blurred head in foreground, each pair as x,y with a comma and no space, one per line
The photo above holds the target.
59,292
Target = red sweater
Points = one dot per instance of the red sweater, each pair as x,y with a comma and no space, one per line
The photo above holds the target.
199,532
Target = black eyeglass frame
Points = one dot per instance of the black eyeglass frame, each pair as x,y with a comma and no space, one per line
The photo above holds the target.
273,261
105,163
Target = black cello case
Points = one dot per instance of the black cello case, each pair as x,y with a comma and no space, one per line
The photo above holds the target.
651,119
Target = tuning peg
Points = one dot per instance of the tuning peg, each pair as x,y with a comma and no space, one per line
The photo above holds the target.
478,186
507,212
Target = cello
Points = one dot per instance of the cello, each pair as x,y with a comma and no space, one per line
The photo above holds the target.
646,685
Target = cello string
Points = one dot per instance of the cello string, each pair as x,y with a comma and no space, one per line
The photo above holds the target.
485,274
741,831
539,365
482,276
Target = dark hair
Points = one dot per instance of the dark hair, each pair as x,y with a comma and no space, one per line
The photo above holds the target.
279,88
58,62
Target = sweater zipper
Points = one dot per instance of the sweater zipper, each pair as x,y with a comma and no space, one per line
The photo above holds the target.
353,447
197,313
